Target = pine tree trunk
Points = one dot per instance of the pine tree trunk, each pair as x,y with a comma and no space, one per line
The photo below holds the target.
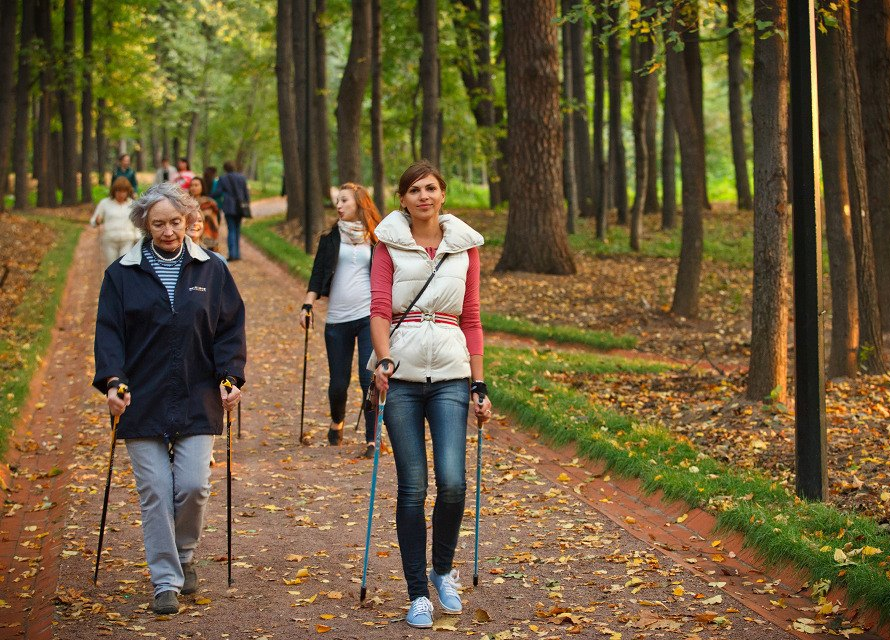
304,65
873,58
692,59
101,139
681,95
599,152
192,139
536,238
642,85
287,110
352,94
320,115
768,367
570,182
736,76
428,16
46,183
377,167
652,205
23,107
8,16
668,167
842,360
86,107
871,344
581,121
617,159
67,87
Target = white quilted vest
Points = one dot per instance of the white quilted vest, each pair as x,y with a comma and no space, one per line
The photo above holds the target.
428,350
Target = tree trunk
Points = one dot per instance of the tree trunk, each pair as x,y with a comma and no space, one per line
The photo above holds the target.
287,110
86,106
838,226
23,107
570,181
617,160
304,56
768,368
352,93
67,87
581,121
377,168
680,94
599,153
873,58
430,80
668,167
8,16
871,344
652,205
736,76
692,59
536,238
101,139
322,143
642,84
46,183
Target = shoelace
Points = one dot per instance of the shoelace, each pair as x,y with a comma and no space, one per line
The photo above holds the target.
450,583
422,605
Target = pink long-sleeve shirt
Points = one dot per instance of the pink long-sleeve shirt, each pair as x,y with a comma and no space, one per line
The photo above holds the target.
470,319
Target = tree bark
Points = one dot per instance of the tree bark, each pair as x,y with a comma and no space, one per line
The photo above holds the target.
768,368
536,238
67,87
377,167
668,167
681,96
352,93
101,139
643,86
570,182
8,17
873,58
871,344
320,115
736,76
838,226
652,205
428,16
192,139
304,56
46,183
287,110
692,59
599,153
617,159
23,107
86,106
581,121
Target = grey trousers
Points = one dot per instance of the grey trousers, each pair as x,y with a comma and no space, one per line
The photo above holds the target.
173,498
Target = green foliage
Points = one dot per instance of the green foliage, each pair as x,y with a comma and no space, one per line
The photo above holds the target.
262,233
562,334
31,328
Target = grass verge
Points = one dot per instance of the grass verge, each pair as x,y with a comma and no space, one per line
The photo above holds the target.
23,346
835,547
262,233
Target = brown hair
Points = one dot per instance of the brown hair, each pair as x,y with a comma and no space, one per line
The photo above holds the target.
366,209
203,185
121,184
418,170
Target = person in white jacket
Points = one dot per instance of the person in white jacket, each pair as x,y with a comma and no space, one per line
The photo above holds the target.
431,369
112,216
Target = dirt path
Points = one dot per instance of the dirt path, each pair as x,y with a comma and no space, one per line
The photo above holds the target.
565,549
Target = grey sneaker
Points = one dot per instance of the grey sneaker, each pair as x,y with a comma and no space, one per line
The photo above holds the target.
191,579
165,603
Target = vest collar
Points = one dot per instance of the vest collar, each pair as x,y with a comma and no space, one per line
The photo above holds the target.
133,257
458,236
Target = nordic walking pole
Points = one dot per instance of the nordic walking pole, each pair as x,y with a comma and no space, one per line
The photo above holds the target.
305,361
377,431
122,390
228,385
478,493
361,409
239,420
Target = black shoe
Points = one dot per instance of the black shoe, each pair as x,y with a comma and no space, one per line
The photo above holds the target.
335,436
369,451
191,579
165,603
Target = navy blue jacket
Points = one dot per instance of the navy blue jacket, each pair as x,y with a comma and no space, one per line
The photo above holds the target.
173,358
234,190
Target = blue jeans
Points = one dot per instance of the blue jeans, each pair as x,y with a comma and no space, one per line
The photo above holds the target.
444,405
339,339
233,223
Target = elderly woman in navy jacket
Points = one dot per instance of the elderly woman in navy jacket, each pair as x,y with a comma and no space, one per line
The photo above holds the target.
171,323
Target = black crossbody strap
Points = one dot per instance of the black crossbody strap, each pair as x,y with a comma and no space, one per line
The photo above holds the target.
419,293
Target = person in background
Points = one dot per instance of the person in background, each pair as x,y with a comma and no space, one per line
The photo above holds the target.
112,215
235,192
431,368
342,271
123,169
165,172
210,237
184,174
211,185
171,324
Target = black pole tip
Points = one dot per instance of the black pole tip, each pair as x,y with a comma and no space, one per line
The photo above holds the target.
363,593
475,580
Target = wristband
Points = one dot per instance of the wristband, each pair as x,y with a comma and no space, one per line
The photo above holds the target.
385,362
480,389
112,384
307,308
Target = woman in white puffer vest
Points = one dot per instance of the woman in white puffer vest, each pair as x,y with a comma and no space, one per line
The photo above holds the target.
431,369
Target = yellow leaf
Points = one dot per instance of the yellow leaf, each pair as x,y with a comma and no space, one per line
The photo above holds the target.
679,591
683,518
563,477
870,551
203,600
716,543
327,616
322,628
840,556
302,573
885,496
630,520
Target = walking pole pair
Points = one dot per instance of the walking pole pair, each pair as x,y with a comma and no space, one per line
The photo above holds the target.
377,432
305,361
227,383
478,492
122,390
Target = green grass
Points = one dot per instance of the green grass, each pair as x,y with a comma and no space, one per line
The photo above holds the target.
557,333
778,526
262,233
461,195
31,327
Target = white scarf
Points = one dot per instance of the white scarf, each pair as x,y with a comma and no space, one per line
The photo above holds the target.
353,232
